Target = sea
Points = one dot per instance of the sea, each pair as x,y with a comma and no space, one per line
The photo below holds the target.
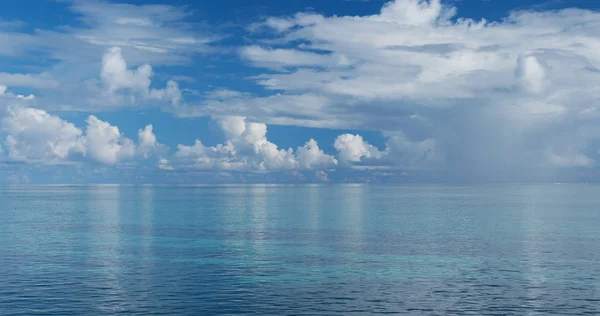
331,249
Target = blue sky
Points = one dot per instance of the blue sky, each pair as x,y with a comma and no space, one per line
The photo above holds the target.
299,91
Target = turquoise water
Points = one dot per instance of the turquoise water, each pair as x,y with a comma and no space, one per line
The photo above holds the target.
301,250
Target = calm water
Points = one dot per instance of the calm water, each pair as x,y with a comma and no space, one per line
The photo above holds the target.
302,250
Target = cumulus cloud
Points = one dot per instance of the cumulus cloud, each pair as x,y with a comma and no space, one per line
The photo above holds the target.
105,143
468,95
493,98
143,35
400,152
35,135
116,78
248,149
148,144
352,148
310,156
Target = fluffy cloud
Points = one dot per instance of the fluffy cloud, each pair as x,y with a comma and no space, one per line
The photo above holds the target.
461,94
105,143
116,78
400,152
141,34
247,149
35,135
479,98
310,156
148,144
352,148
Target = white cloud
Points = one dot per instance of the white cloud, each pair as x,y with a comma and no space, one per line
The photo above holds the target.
352,148
454,93
148,144
305,110
35,135
247,149
400,152
413,12
115,74
117,77
232,126
106,144
70,55
277,58
475,86
310,156
39,136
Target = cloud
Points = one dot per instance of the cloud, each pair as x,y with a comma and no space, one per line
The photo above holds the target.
310,156
469,98
39,81
70,55
164,164
157,34
248,149
400,153
115,74
475,98
105,143
414,12
322,176
570,159
278,58
304,110
352,148
148,144
531,73
116,86
34,135
116,78
4,93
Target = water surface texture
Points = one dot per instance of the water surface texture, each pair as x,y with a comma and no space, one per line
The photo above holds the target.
300,250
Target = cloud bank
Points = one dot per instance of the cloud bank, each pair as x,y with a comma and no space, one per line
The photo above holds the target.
512,99
515,96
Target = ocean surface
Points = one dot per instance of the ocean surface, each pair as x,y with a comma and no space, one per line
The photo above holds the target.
300,250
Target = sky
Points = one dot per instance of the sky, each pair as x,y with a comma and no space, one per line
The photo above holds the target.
299,91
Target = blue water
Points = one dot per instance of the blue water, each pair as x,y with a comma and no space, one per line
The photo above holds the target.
301,250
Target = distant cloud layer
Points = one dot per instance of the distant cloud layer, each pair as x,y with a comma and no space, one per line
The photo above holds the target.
507,99
503,96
